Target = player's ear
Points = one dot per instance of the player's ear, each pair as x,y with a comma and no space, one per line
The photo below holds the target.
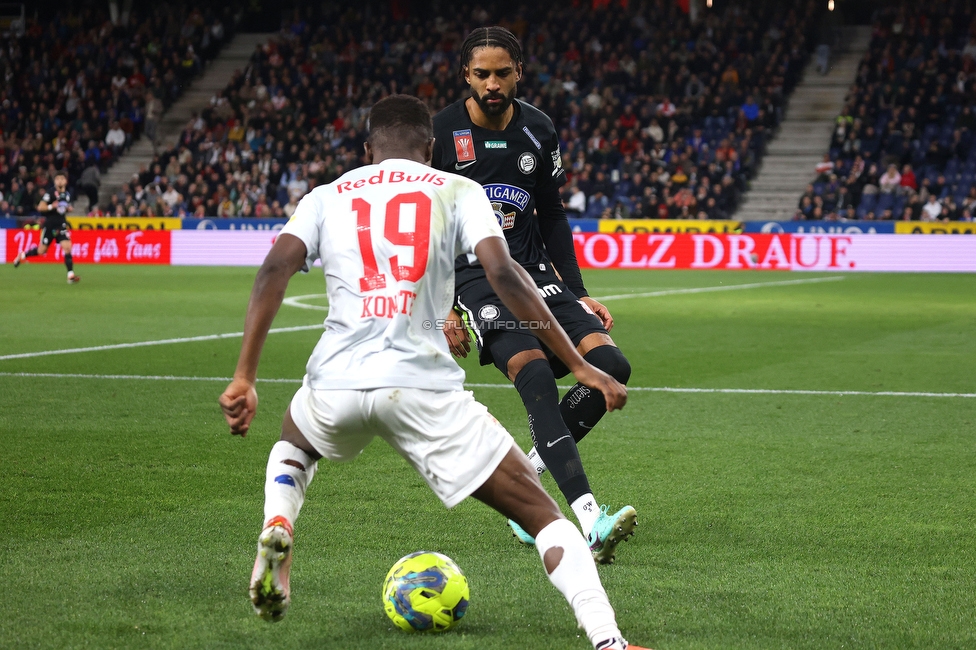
518,72
369,152
429,151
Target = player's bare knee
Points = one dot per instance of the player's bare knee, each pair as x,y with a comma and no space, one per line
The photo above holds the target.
520,360
552,558
594,340
291,433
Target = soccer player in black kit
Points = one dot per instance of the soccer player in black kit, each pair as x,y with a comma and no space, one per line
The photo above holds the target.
54,206
512,149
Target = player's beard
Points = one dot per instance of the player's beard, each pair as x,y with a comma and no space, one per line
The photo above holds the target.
494,110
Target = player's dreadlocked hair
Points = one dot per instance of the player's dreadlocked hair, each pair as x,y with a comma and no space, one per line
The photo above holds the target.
489,37
401,121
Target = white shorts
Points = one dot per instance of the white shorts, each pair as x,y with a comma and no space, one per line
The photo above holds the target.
450,438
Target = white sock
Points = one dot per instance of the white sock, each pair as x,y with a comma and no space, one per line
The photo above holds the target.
587,512
536,460
577,580
285,484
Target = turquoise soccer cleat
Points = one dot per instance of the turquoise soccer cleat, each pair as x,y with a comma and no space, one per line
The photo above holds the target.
520,534
609,531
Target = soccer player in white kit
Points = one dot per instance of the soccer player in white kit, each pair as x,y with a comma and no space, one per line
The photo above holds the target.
387,235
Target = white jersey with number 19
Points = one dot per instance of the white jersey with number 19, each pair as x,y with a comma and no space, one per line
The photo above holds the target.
388,235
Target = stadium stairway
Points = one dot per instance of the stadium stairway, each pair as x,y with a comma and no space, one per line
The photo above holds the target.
234,56
804,135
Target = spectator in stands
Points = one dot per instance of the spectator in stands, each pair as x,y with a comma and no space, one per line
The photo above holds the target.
890,180
823,58
842,202
576,203
908,183
805,209
932,210
969,203
89,182
115,139
750,109
824,168
654,132
967,119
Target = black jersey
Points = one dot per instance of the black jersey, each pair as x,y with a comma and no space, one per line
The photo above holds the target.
512,165
54,217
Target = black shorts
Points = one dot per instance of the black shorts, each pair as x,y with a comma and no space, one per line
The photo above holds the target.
57,232
500,335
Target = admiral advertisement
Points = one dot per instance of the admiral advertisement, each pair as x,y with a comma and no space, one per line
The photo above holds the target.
935,228
125,223
668,225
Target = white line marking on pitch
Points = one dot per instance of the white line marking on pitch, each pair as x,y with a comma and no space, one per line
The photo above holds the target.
74,375
764,391
649,389
140,344
294,301
729,287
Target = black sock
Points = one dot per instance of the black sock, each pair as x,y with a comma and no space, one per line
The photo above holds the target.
537,386
69,263
582,407
31,253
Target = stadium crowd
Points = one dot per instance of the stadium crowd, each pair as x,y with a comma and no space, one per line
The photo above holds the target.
78,90
657,117
903,147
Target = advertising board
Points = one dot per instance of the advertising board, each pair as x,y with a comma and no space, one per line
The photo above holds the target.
781,252
95,246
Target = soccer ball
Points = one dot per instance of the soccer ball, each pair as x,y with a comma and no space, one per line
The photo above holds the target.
425,591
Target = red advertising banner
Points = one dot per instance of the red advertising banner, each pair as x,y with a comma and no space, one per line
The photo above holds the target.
694,251
97,246
775,252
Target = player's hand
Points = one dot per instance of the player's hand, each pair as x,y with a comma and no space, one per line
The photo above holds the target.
456,333
239,402
613,391
599,310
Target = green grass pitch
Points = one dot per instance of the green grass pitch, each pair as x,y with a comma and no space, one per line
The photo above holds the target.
767,520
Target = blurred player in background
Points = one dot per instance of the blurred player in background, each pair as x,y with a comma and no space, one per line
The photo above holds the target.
511,148
387,235
54,205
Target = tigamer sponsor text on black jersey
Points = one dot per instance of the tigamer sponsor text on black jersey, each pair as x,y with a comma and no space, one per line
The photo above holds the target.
513,165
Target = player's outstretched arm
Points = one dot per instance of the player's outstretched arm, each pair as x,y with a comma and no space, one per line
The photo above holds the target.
239,401
517,290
